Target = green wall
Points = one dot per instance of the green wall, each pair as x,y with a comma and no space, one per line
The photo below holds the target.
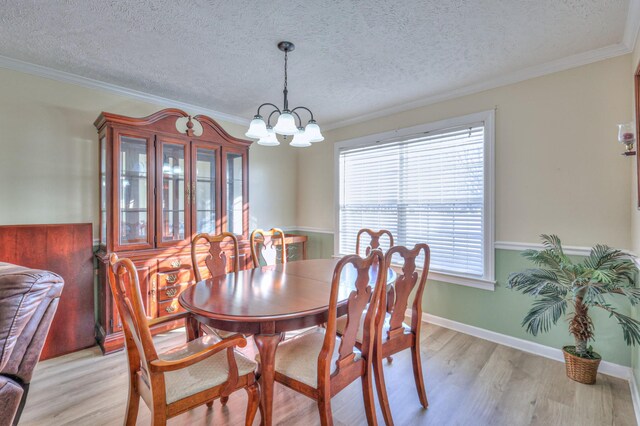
502,310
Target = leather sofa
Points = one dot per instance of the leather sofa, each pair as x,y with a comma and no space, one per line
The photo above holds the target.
28,302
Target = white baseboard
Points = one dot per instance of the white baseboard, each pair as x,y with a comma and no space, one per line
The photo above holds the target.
609,368
635,396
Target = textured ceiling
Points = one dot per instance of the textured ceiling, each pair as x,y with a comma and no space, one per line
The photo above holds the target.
351,58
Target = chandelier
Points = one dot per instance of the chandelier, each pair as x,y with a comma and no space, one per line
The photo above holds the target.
286,124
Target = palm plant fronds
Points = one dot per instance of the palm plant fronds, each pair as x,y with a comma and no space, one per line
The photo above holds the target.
537,282
544,313
630,326
558,282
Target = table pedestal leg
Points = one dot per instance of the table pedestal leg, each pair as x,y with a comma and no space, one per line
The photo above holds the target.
192,327
267,344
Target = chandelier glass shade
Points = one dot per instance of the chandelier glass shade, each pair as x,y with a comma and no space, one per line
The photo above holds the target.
286,124
269,138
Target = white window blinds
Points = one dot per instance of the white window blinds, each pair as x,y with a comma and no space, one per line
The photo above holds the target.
427,188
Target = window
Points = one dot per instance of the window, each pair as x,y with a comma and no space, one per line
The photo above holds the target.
432,184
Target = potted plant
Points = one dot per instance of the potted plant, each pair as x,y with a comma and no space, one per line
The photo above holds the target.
558,284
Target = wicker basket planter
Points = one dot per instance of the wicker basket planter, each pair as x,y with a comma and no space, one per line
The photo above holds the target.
581,369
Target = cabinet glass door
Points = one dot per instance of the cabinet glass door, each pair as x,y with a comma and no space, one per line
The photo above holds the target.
235,194
205,190
133,187
173,192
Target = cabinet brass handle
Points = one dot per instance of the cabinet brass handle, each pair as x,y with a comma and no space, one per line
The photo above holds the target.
175,263
171,309
171,292
188,194
172,278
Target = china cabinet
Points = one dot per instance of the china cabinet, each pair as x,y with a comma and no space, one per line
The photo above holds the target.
163,179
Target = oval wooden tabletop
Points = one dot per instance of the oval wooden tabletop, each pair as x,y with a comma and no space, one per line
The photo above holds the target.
296,289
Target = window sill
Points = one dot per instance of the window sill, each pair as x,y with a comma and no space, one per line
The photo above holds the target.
464,281
479,283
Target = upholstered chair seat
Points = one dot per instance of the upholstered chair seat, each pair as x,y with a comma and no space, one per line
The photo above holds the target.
297,357
341,324
203,375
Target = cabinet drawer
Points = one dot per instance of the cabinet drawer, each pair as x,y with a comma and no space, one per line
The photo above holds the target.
174,262
172,292
167,279
169,307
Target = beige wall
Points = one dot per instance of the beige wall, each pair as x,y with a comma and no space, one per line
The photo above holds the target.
49,155
558,166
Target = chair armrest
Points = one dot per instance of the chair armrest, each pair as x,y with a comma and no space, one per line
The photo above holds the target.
160,366
160,320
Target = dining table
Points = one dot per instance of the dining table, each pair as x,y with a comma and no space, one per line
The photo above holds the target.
268,301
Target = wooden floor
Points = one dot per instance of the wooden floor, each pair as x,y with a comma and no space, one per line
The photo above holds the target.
469,382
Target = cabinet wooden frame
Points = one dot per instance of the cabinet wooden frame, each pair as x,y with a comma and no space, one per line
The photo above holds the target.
158,129
152,255
118,135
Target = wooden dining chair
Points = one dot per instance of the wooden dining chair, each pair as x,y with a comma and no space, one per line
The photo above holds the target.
217,264
263,246
374,243
319,364
397,336
374,239
184,377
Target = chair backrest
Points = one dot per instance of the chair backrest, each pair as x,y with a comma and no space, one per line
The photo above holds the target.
216,259
374,239
263,245
405,283
123,280
28,302
366,293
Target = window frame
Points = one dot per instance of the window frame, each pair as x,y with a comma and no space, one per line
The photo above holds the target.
487,282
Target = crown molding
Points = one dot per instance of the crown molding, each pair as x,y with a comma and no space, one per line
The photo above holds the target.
558,65
632,26
65,77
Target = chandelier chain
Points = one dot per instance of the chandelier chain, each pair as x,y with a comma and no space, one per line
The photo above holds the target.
286,101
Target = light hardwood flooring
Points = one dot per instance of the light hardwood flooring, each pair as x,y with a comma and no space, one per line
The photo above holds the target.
469,381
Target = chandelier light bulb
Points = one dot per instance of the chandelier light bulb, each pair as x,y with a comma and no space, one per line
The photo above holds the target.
300,140
257,128
269,139
313,132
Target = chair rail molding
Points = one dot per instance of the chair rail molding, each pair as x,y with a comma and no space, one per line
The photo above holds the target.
511,245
